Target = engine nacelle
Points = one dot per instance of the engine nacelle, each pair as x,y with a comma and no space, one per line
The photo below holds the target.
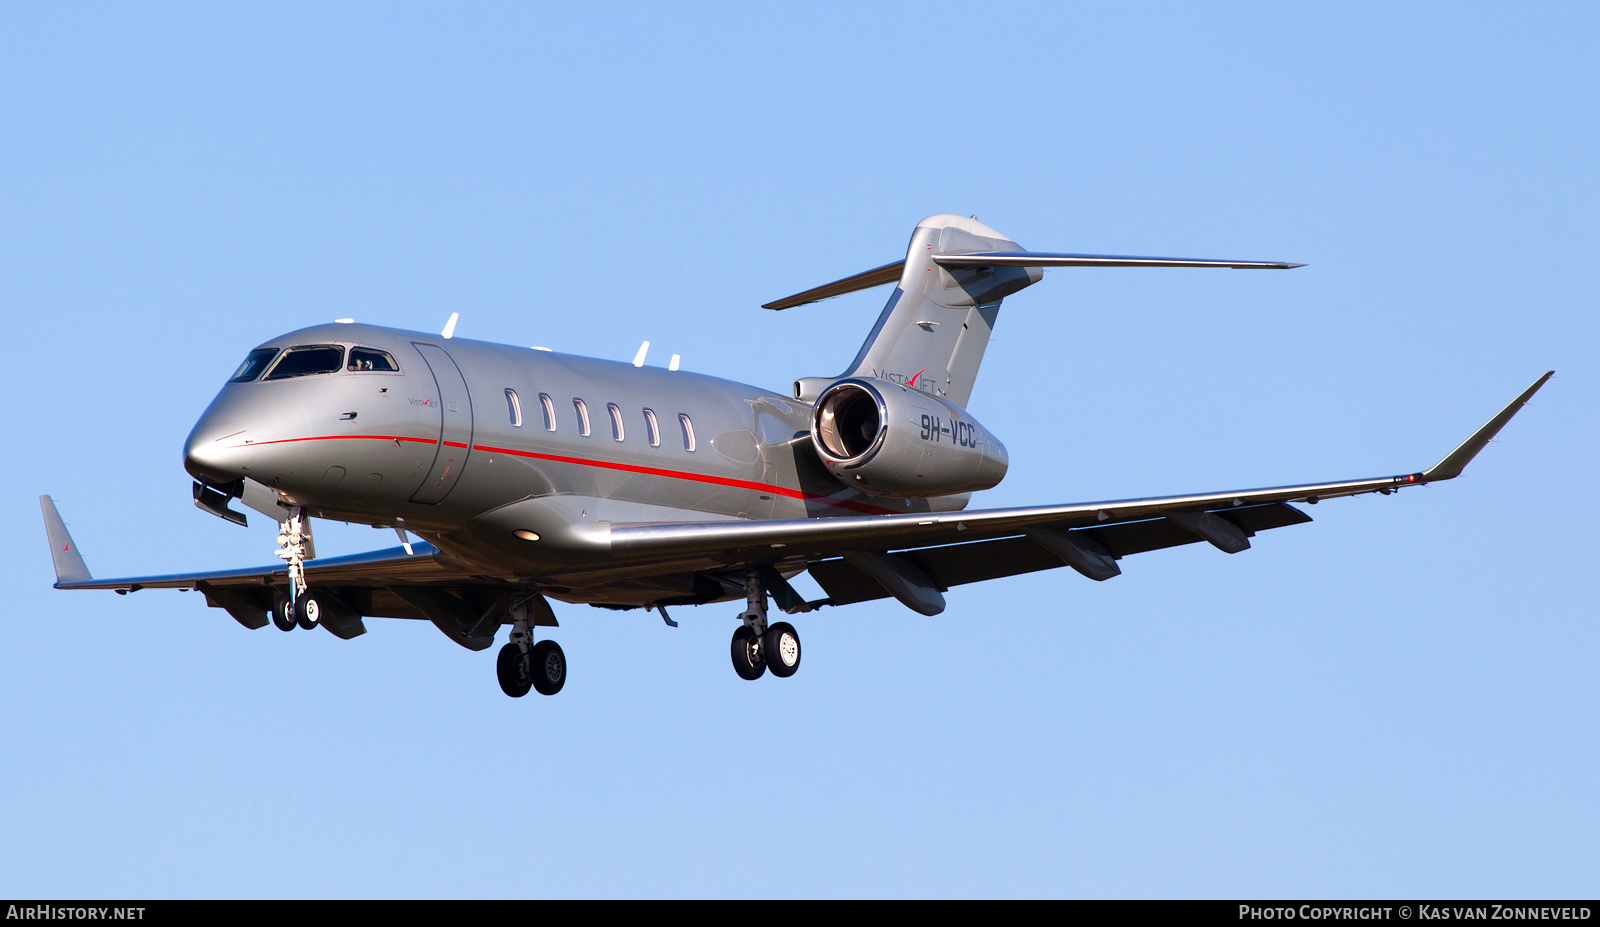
885,439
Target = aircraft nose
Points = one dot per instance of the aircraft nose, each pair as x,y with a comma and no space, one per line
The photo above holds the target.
208,454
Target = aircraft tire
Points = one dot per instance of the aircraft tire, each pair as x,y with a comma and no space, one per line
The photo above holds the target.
514,670
781,648
746,660
282,615
309,610
549,669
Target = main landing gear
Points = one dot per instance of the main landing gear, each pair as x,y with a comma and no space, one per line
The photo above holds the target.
758,646
524,665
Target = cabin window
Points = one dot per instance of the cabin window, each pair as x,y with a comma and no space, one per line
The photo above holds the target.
652,429
513,407
365,359
616,420
583,417
549,408
688,432
254,363
307,360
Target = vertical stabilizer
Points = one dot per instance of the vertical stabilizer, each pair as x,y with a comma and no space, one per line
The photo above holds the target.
69,564
936,326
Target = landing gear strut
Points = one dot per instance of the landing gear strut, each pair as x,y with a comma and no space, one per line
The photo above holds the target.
524,665
756,646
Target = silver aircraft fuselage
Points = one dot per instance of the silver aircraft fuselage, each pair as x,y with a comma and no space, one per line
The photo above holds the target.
470,443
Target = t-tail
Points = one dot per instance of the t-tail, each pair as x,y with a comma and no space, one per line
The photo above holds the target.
936,326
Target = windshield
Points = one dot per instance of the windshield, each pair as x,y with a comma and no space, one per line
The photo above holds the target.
253,365
305,360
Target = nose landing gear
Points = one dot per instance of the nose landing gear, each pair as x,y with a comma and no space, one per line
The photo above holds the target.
294,541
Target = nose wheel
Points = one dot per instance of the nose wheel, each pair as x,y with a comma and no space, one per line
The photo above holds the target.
283,612
309,610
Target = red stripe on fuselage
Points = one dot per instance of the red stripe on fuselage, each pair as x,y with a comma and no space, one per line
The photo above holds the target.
608,465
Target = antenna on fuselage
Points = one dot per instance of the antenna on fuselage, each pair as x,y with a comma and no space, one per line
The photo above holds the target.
674,364
450,326
638,359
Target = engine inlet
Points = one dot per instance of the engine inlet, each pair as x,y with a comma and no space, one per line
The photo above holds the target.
849,421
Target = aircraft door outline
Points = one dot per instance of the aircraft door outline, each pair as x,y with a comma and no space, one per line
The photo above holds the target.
455,425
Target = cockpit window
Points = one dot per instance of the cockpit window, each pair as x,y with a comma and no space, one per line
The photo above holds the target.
253,365
364,359
306,360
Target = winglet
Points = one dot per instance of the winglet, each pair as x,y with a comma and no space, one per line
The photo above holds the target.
69,564
1457,460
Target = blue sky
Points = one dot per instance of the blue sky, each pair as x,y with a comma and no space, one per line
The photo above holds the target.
1397,700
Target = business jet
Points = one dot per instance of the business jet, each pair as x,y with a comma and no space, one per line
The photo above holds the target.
528,475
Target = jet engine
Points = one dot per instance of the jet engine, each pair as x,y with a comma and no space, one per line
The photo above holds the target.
886,439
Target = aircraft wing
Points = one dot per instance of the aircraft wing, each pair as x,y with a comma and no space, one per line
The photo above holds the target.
914,557
393,583
373,568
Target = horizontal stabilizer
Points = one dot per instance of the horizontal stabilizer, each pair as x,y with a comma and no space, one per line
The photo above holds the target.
1048,259
877,276
890,273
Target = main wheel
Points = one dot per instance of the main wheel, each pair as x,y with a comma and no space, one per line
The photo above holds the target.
781,648
282,613
309,608
549,667
746,654
514,670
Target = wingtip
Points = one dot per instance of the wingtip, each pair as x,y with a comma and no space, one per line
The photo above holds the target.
1456,461
64,553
